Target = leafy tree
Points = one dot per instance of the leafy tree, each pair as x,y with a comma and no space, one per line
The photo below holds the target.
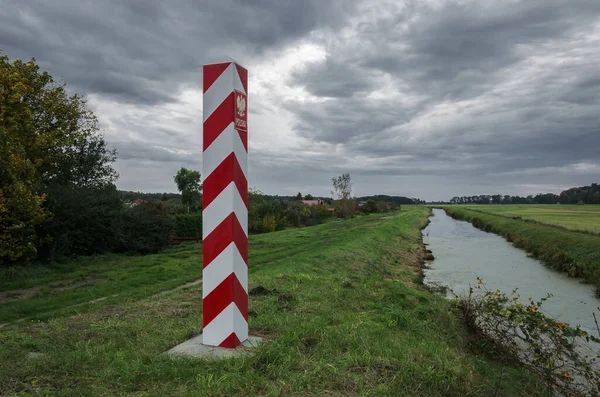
585,194
188,183
46,137
299,196
342,187
59,134
342,191
309,197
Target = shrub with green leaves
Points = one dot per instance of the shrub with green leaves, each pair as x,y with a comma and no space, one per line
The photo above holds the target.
370,207
85,220
188,225
147,228
551,349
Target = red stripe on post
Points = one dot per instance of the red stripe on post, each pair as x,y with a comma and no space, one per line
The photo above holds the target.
228,231
244,138
228,171
231,341
230,290
243,73
210,74
218,121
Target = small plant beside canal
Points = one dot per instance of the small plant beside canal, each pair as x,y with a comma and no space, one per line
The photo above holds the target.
551,349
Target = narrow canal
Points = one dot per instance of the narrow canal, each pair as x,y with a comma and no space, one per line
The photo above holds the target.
463,252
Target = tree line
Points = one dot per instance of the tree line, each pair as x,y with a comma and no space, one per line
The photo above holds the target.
129,195
581,195
547,198
57,192
576,195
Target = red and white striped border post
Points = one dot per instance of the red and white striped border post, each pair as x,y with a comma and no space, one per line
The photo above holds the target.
225,206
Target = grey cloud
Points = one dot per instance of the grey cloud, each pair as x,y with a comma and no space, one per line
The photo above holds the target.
466,57
137,150
431,101
142,52
323,79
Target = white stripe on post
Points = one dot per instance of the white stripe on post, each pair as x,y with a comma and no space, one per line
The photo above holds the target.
222,147
227,201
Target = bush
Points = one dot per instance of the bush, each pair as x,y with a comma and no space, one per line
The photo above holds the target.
146,228
261,209
85,221
293,214
188,225
345,208
551,349
175,207
269,224
318,215
370,207
298,214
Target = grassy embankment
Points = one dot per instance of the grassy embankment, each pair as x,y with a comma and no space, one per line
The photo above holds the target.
571,251
584,218
345,314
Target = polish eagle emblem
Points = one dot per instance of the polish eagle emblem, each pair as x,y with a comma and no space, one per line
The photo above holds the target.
241,105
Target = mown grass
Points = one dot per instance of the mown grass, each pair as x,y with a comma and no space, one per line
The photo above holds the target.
584,218
346,315
570,251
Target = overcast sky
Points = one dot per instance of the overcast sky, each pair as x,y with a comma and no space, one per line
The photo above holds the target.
422,98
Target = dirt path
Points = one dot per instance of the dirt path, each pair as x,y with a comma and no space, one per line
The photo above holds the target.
186,285
54,286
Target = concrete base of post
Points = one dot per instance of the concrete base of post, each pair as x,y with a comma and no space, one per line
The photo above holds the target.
195,348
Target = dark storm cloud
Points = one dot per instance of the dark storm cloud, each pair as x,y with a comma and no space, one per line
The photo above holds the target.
421,98
323,79
451,49
471,89
141,51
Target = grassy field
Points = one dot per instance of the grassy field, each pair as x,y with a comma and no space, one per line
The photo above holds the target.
345,314
566,250
573,217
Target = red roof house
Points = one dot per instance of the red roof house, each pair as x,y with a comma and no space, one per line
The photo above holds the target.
312,202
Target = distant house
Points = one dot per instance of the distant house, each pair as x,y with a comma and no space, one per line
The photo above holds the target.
134,203
313,202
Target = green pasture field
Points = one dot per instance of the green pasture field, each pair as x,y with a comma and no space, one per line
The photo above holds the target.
570,216
341,307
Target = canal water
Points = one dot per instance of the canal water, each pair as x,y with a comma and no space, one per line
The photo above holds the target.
463,252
